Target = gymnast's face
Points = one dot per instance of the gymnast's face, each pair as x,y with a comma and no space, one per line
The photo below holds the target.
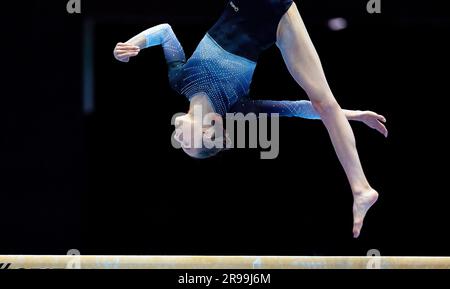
197,139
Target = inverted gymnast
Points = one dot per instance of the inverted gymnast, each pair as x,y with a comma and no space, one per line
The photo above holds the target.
217,78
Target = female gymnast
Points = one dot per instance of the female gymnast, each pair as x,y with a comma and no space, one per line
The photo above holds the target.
217,78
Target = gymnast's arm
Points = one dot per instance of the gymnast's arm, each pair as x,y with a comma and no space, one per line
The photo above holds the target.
305,109
158,35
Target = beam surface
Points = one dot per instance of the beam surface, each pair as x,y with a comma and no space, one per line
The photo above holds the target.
219,262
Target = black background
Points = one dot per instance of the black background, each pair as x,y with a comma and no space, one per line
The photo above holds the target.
110,182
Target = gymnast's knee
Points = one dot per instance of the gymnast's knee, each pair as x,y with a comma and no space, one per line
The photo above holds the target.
325,106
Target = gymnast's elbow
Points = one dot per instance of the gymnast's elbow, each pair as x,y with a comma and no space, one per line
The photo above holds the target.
166,27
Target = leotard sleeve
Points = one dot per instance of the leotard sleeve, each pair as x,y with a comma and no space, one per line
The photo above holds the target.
161,35
300,108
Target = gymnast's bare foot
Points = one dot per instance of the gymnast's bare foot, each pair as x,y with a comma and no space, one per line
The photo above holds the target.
362,203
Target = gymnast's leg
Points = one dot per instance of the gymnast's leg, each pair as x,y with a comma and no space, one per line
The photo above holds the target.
304,65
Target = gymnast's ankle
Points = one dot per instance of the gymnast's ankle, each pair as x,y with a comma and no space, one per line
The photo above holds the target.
361,190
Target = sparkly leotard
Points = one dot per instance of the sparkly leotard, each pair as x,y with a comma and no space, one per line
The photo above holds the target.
223,63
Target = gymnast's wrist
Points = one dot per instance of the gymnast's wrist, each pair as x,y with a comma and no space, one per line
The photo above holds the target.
353,114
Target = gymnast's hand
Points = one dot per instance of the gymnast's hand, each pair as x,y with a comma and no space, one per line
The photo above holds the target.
373,120
123,51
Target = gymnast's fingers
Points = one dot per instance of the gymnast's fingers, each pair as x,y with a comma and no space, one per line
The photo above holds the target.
126,49
381,118
126,46
127,54
124,59
381,128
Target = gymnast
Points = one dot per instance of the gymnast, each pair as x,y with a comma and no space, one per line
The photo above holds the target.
218,75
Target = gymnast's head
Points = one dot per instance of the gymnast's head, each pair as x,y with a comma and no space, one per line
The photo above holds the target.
200,135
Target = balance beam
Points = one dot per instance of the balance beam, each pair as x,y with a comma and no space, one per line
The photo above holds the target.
219,262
